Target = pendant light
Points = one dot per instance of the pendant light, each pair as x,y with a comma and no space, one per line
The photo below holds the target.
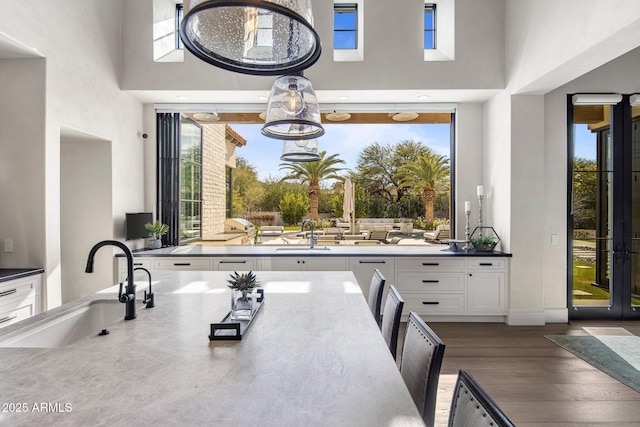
300,151
259,37
293,112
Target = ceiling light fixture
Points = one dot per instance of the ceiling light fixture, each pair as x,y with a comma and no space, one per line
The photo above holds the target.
300,151
337,117
596,98
206,117
260,37
293,112
404,116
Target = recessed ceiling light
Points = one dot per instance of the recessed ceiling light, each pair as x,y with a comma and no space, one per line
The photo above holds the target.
183,98
404,116
263,98
337,117
206,117
423,97
343,98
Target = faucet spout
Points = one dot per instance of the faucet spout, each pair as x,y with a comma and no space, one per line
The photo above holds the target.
129,296
308,221
148,297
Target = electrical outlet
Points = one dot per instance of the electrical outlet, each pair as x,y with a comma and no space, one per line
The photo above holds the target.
8,245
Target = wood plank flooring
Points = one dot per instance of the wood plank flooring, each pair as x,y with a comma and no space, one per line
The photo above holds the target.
536,382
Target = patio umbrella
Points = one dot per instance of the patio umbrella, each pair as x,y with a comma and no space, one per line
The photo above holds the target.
347,205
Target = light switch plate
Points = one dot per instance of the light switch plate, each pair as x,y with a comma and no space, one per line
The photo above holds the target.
554,239
8,245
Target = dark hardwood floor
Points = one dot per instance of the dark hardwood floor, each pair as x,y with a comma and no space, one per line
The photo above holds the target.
536,382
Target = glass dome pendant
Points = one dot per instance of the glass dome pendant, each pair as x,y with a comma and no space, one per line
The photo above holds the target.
259,37
300,151
293,112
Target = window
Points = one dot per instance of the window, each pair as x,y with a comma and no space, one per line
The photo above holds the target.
345,26
190,180
429,26
179,10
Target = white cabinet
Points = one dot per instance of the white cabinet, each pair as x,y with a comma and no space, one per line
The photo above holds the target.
182,263
234,264
362,268
454,287
137,262
303,263
19,299
486,285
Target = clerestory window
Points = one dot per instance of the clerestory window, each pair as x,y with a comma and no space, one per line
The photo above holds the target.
345,26
429,26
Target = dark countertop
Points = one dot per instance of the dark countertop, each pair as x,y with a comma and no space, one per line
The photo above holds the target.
319,250
7,274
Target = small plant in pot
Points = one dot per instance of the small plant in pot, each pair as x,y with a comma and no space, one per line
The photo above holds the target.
244,294
484,239
156,231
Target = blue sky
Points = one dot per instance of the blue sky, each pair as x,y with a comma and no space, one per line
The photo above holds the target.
346,140
585,142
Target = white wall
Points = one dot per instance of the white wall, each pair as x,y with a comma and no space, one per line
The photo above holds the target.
85,214
79,90
394,54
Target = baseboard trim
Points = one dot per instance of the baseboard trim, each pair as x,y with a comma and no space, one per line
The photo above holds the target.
525,318
556,315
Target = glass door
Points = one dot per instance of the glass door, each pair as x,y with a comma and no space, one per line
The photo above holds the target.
604,210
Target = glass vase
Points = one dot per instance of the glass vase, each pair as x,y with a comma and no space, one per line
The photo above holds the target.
243,304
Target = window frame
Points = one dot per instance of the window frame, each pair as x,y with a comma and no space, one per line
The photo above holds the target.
345,8
433,28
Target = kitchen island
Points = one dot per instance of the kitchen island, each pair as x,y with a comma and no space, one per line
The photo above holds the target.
312,356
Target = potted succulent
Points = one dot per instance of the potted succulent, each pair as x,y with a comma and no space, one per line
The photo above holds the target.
484,239
156,231
244,295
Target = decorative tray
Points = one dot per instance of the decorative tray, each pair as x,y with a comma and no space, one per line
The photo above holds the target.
234,329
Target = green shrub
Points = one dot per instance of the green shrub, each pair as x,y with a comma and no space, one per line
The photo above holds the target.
293,207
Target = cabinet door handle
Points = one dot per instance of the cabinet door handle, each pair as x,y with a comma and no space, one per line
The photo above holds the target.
372,262
486,264
182,264
233,262
431,281
6,319
431,263
9,292
137,263
431,302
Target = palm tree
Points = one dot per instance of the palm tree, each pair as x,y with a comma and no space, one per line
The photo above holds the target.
312,173
428,175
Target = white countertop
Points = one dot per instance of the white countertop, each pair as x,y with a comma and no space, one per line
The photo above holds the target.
313,356
298,250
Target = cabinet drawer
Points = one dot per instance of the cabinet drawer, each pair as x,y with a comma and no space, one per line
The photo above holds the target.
232,264
417,281
429,264
24,311
182,264
432,303
486,264
145,263
19,289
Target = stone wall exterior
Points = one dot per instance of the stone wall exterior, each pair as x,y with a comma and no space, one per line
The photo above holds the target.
214,155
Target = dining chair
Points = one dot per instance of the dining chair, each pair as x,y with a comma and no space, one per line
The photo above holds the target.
391,319
375,294
471,405
422,355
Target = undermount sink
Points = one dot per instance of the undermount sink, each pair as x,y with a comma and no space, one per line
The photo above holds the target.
79,323
303,248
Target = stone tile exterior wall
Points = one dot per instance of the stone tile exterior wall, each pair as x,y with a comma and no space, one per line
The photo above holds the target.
213,179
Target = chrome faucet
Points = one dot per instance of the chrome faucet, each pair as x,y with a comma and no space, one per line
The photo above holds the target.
129,297
311,226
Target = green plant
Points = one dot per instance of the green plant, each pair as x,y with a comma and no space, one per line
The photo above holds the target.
293,207
244,283
156,229
483,240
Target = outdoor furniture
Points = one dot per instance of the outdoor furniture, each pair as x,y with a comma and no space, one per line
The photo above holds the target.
442,232
381,234
271,230
334,231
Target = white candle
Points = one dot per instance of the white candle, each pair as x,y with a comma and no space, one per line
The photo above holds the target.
467,206
480,191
